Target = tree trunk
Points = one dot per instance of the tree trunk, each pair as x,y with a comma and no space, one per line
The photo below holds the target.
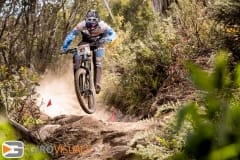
160,6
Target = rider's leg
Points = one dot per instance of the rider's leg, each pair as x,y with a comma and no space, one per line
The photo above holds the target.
99,53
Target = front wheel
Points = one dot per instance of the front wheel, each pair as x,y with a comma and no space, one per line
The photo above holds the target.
85,90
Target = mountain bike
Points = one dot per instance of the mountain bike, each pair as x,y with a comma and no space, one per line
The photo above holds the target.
83,76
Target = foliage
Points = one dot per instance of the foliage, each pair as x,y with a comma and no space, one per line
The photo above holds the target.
152,145
8,133
166,108
142,79
18,93
139,13
214,118
147,52
161,143
227,13
31,33
192,19
144,75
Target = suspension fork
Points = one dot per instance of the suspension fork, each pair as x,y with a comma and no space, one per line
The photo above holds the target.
88,72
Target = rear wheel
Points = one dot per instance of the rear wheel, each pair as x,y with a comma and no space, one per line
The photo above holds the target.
85,90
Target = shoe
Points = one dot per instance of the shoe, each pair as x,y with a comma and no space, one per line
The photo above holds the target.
98,88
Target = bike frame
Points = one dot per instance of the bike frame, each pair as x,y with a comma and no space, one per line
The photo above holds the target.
83,58
83,79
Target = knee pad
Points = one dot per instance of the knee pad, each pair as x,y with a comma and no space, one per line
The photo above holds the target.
99,52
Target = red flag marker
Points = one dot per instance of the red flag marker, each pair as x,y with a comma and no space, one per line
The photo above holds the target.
113,117
49,103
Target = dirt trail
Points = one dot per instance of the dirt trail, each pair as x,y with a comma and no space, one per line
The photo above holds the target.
70,126
57,97
86,138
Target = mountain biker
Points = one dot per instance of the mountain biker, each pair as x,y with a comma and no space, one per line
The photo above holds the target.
93,29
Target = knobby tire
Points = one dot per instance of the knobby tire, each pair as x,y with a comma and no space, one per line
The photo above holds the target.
81,75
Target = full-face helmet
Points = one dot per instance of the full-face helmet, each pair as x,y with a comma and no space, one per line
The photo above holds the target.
92,18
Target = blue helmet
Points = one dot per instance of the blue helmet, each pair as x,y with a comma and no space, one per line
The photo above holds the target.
92,18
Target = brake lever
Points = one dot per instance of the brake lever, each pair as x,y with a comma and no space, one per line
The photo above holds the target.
72,50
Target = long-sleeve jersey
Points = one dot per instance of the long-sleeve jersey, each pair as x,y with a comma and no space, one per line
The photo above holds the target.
102,30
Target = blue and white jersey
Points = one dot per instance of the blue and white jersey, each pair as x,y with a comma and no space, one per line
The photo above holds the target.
102,30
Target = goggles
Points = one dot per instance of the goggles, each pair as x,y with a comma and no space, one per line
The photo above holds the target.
92,19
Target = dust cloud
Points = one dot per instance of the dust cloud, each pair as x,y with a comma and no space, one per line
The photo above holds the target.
57,95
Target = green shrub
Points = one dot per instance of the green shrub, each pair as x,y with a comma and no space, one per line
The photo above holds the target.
216,128
7,133
160,143
18,93
195,28
227,13
146,53
144,64
139,13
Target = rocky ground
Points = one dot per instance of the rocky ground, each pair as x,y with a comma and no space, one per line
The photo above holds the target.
85,137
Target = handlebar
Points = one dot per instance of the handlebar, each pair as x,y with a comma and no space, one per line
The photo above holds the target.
71,50
92,44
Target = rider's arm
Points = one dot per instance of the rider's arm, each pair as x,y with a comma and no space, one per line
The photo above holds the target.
71,36
111,34
108,31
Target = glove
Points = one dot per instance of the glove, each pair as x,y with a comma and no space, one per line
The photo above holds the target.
107,39
104,40
64,50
